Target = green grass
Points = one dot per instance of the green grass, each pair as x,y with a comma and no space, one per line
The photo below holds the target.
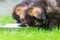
26,33
6,20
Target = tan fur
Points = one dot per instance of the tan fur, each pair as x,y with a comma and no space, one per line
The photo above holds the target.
20,9
35,11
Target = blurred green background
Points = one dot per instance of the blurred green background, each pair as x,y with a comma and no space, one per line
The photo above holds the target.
6,7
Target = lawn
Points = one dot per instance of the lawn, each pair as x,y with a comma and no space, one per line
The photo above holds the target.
25,33
6,19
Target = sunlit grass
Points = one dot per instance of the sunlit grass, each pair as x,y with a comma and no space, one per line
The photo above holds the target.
28,34
6,20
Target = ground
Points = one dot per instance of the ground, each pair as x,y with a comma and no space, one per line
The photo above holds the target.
26,33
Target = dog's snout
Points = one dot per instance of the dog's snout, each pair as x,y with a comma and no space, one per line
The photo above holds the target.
23,21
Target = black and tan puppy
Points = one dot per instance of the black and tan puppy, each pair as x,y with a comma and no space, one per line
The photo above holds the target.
28,11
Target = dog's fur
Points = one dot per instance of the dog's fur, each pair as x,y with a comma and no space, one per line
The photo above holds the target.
53,13
28,11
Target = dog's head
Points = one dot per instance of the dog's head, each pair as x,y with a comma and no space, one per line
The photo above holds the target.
26,14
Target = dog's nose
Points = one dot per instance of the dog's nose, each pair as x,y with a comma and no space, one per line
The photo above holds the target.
23,21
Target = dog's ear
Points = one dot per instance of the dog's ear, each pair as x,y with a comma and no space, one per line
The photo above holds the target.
20,9
35,12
